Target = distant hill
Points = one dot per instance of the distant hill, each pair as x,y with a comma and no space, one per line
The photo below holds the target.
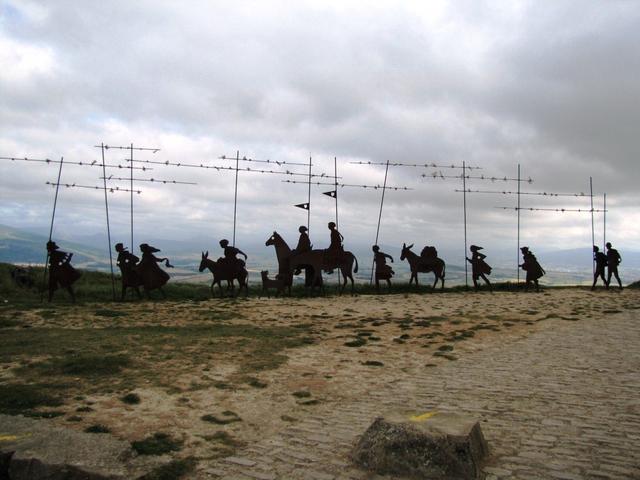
20,246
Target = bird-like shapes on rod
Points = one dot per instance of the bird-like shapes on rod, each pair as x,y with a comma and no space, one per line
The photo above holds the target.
533,209
156,180
94,163
91,187
245,159
507,192
419,165
374,187
441,176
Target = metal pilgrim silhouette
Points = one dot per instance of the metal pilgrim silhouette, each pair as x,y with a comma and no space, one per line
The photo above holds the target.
479,268
427,261
128,264
383,271
613,260
151,275
61,272
532,267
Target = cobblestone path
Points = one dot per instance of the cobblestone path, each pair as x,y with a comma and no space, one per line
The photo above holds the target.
561,403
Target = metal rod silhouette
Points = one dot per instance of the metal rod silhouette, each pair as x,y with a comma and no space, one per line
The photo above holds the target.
384,189
53,216
464,208
156,180
93,187
541,194
518,250
277,162
593,231
341,185
604,234
335,174
106,208
83,164
235,197
131,194
422,165
309,199
563,210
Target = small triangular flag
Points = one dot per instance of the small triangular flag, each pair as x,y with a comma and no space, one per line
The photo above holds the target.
332,193
304,206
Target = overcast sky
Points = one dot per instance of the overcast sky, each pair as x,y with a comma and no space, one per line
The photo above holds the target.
551,85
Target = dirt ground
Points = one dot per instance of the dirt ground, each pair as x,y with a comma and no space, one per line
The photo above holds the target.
249,367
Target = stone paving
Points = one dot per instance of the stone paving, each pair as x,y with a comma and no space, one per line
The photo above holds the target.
561,403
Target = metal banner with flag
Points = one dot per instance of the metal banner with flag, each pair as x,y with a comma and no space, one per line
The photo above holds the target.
304,206
332,194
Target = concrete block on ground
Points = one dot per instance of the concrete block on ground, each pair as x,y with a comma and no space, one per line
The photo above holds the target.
32,449
431,445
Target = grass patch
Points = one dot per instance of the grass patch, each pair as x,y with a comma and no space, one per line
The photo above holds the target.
98,428
105,312
223,419
157,444
131,399
256,383
84,365
15,399
301,394
358,342
373,363
173,470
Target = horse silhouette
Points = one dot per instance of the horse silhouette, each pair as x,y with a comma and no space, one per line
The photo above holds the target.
222,270
419,264
314,258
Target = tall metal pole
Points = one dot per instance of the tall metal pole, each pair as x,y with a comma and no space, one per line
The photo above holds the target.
464,207
131,188
235,197
335,174
593,231
518,210
309,199
604,208
106,207
384,189
53,216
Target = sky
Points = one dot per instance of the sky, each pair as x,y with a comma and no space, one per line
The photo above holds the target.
551,86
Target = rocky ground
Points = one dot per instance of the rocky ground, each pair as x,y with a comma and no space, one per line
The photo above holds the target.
280,388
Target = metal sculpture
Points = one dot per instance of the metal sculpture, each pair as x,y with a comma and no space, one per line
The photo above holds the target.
613,260
382,270
532,267
224,270
268,283
479,268
128,264
429,262
151,275
317,260
61,273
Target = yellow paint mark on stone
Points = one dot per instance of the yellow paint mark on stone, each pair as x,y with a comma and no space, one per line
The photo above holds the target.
12,438
422,418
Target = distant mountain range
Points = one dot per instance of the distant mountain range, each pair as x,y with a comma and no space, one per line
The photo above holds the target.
570,266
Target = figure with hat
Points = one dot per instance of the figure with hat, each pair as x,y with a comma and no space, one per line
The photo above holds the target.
61,273
151,275
230,253
532,267
479,268
304,245
613,260
127,262
383,271
335,252
601,263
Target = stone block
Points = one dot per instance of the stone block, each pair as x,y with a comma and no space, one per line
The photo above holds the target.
431,445
33,449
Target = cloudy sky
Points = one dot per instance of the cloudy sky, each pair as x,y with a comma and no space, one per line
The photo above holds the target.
550,85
